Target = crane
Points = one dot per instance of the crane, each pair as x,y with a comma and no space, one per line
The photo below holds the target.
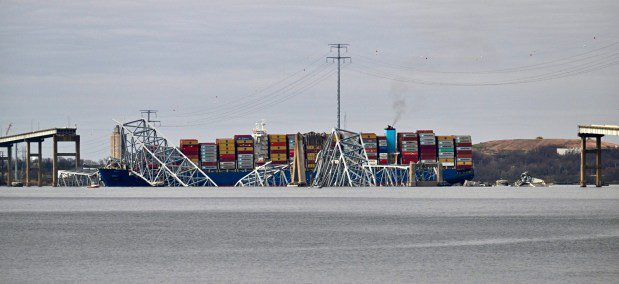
8,129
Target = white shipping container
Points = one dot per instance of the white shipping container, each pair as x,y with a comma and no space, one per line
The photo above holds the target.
465,148
463,139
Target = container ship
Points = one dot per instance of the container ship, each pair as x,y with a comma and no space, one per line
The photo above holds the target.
227,160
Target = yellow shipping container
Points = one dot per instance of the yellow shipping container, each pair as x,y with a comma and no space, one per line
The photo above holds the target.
278,147
448,137
245,149
189,142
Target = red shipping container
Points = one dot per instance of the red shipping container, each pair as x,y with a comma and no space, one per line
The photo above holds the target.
209,163
277,143
464,155
278,151
425,131
464,145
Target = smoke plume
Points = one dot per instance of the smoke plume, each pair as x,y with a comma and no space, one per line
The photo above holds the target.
398,95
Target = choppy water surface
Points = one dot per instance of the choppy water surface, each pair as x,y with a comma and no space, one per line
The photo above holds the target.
560,234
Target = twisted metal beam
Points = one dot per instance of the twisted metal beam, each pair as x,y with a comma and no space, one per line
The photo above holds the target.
148,154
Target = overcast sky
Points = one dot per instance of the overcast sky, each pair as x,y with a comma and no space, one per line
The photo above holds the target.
209,67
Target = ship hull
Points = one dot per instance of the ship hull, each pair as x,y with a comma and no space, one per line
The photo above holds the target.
123,178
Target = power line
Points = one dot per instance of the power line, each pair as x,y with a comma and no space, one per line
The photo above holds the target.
294,89
596,64
256,93
556,62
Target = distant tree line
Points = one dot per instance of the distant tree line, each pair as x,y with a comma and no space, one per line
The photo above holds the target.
544,163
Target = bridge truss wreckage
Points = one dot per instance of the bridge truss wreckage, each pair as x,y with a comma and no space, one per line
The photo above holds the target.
266,175
148,154
78,179
343,161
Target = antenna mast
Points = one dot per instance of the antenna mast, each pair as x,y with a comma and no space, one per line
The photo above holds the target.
339,58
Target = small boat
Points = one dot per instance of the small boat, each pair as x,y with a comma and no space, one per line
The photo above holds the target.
17,184
94,185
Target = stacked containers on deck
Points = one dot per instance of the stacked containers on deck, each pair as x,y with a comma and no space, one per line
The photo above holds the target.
427,146
446,150
227,156
371,147
291,138
313,144
261,149
408,147
191,149
244,152
383,150
464,152
278,151
208,156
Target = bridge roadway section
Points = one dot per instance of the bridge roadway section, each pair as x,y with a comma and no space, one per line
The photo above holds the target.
593,131
57,135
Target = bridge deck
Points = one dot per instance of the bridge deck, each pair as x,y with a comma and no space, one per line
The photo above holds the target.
35,135
599,129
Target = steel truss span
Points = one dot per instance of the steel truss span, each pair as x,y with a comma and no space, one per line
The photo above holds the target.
149,155
343,161
78,179
266,175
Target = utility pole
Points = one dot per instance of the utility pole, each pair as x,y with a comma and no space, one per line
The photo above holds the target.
339,58
148,112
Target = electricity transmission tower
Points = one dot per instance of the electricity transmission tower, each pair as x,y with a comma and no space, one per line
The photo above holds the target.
339,58
148,112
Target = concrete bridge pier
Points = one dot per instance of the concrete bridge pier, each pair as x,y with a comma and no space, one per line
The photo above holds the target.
29,156
597,132
598,159
55,154
9,165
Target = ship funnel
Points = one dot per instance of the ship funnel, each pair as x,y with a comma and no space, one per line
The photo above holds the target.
391,136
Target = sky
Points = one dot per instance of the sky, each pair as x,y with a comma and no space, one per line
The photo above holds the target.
491,69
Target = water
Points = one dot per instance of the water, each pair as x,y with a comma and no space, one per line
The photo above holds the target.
559,234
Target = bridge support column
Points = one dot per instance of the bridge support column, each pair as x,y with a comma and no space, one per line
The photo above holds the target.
27,176
598,161
40,164
9,176
583,161
54,161
77,152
